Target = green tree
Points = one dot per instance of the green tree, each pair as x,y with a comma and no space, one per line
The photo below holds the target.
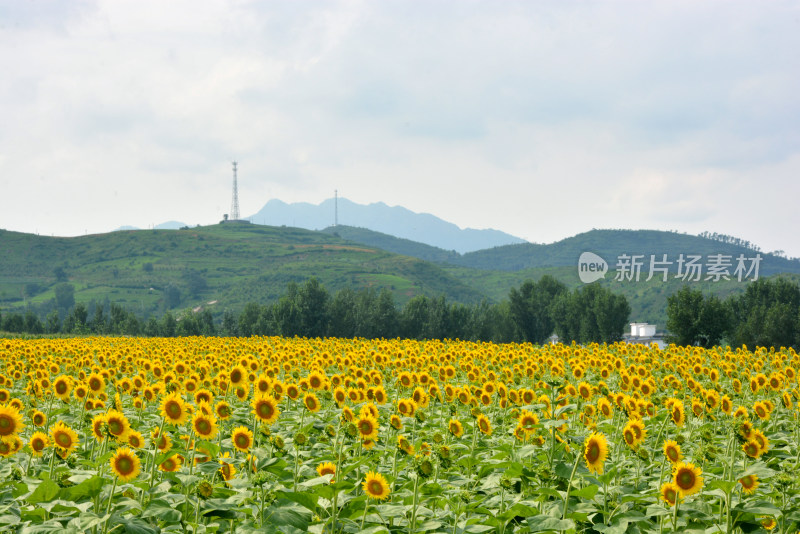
53,322
531,307
65,297
766,314
684,308
313,300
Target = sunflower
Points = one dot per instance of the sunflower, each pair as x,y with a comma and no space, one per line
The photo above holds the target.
672,451
749,484
629,435
174,409
595,452
204,425
407,407
768,522
242,439
688,478
118,425
135,439
367,426
678,413
375,486
125,464
404,445
226,469
266,409
203,395
751,449
484,425
64,438
527,420
10,421
96,383
38,418
670,493
326,468
238,375
604,405
223,410
456,428
38,443
62,387
339,396
396,422
311,402
292,391
163,442
761,439
316,380
760,409
171,464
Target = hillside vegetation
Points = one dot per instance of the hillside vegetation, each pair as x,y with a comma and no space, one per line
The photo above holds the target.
227,266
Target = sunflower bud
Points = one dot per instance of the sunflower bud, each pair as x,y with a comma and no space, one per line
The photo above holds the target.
205,489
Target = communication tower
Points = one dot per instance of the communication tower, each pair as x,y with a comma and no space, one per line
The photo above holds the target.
235,201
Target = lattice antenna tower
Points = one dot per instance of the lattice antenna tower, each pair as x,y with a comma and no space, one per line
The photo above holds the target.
235,200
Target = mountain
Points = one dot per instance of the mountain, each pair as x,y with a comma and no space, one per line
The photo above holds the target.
392,220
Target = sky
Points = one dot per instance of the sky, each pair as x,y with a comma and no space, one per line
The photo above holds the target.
543,119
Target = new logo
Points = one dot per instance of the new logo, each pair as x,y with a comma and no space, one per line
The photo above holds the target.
591,267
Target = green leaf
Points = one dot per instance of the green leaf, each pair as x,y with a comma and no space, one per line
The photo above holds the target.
283,514
88,488
306,500
44,492
163,513
587,492
478,529
541,523
429,525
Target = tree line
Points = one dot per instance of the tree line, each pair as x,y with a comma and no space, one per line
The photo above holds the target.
532,312
767,314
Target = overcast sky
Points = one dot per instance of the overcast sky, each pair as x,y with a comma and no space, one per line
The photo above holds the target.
541,119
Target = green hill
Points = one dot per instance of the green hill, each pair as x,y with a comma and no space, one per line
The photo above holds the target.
610,244
231,264
228,265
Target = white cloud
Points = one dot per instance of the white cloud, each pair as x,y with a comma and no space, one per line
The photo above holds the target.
537,118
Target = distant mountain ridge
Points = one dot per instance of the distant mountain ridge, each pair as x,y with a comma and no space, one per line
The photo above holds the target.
379,217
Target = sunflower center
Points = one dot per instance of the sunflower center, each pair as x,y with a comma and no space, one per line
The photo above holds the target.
203,426
124,465
173,409
375,487
685,479
242,441
6,425
63,440
592,452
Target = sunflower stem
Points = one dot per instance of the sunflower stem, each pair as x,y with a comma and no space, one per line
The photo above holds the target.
569,486
414,505
108,507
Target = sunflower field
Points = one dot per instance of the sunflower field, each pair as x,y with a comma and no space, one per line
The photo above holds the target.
259,434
